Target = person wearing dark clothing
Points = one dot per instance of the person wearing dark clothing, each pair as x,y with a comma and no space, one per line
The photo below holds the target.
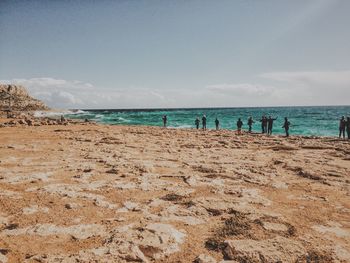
239,126
263,124
250,123
165,119
342,124
270,125
204,122
348,127
286,126
217,123
196,122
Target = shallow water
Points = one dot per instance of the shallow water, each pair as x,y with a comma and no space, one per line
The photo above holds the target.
321,121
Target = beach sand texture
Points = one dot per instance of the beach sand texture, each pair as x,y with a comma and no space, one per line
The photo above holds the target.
98,193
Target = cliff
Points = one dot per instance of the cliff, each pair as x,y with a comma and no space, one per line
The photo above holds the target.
16,98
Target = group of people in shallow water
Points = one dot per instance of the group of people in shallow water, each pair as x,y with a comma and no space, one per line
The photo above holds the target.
266,125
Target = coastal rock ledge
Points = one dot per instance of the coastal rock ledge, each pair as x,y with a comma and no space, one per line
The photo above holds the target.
16,98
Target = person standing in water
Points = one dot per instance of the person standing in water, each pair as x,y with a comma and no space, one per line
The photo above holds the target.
263,124
165,119
348,127
342,124
217,123
204,122
286,126
239,126
196,122
270,125
250,123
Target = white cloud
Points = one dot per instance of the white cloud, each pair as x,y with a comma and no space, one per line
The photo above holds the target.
314,87
282,88
244,89
56,93
325,78
59,93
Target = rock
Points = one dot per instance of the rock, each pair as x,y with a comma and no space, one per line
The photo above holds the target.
155,241
131,206
34,209
278,249
12,122
21,122
68,206
20,99
129,252
202,258
275,226
76,231
333,229
29,122
3,258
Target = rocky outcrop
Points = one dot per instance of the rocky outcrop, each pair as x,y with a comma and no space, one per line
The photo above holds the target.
16,98
279,249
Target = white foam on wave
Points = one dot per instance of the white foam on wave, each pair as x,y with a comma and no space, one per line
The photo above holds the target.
57,113
123,119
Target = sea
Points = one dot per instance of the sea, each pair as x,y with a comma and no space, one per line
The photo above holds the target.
318,121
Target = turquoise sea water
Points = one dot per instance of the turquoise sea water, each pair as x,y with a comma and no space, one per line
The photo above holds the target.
321,121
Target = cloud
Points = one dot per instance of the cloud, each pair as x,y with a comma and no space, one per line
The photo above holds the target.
59,93
244,89
314,87
324,78
51,83
270,89
56,93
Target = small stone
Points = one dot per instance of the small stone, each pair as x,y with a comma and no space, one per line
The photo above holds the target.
202,258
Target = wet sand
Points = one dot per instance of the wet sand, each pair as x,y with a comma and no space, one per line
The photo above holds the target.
98,193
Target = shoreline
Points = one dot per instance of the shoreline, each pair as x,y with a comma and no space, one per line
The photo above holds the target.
297,129
13,122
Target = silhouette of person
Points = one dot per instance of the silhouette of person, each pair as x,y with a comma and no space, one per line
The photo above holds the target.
239,126
263,124
250,123
217,123
165,119
204,122
342,124
270,124
286,126
348,127
196,122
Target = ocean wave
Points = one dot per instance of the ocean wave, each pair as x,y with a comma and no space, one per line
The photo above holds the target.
122,119
58,113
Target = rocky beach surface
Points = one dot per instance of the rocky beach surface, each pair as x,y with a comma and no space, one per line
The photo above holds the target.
82,192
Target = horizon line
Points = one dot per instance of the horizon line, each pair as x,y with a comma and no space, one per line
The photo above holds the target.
200,108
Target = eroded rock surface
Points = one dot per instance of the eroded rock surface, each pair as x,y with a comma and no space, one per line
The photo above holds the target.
94,193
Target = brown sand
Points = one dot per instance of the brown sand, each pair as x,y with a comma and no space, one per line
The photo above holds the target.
94,193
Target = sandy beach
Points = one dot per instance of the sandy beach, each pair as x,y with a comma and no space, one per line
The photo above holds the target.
98,193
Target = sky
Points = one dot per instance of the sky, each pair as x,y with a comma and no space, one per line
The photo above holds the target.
188,53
